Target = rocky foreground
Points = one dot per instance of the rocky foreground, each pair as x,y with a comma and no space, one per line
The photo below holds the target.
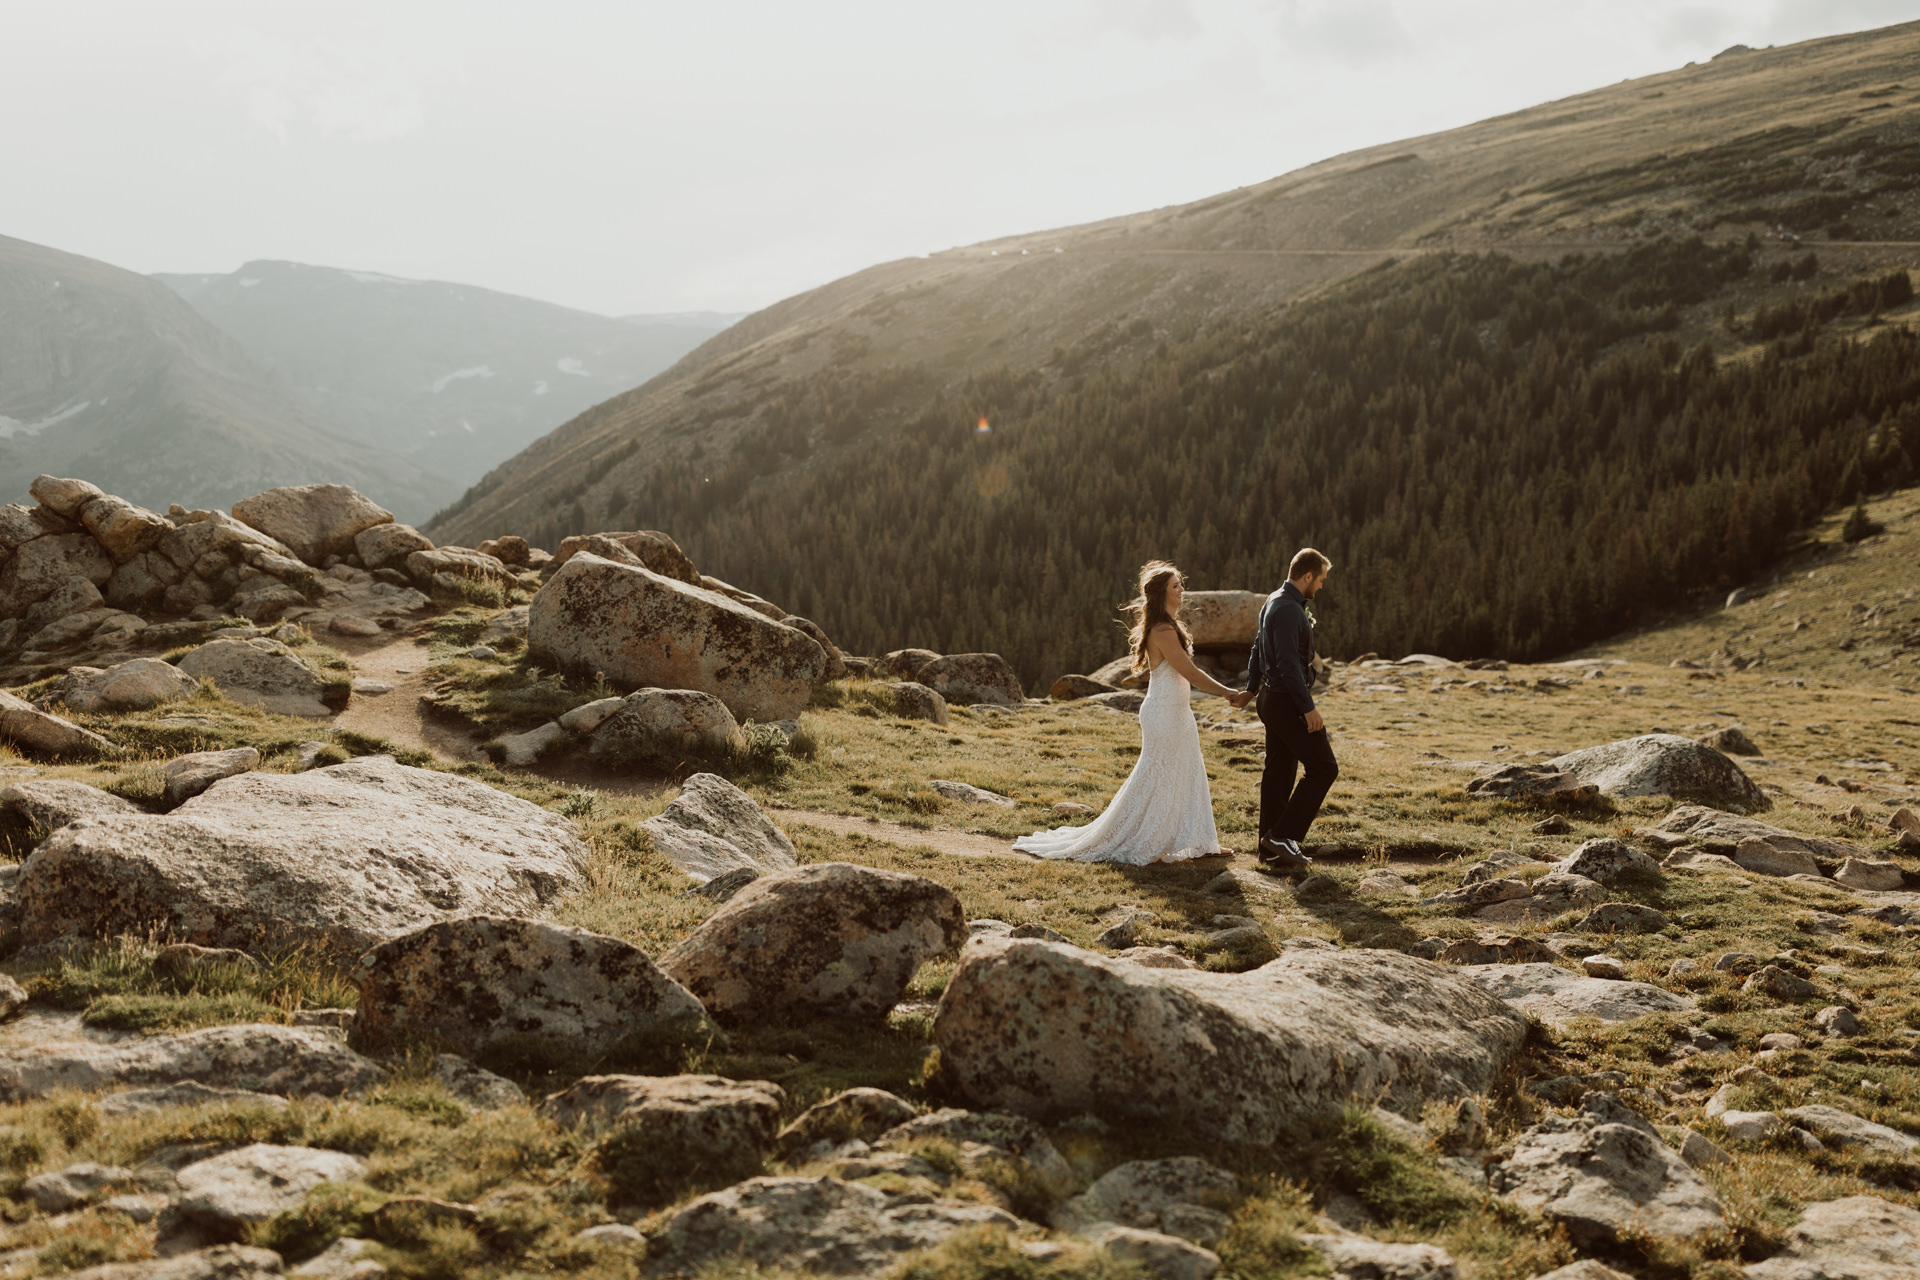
283,1012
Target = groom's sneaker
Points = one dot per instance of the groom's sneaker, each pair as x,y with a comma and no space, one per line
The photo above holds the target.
1282,855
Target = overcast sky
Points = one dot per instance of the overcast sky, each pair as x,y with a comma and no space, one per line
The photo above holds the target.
645,156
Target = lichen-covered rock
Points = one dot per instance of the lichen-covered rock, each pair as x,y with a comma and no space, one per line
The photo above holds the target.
259,1058
1046,1029
510,550
1858,1238
1869,873
972,677
140,585
648,547
229,1193
474,1086
903,664
836,661
1723,833
1622,917
134,685
199,545
41,567
122,529
830,939
1780,984
765,608
713,827
1532,782
1606,860
261,673
340,859
469,984
1221,619
664,727
187,776
1555,995
1605,1175
1729,741
387,546
642,629
42,733
1137,1193
690,1120
861,1115
313,520
446,564
914,701
1657,764
820,1225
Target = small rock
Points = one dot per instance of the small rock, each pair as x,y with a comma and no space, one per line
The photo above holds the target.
1781,1041
1683,968
484,652
1138,1194
1385,884
1700,1152
1603,967
1605,861
1356,1257
351,624
587,717
73,1186
1771,980
474,1086
862,1115
1843,1129
1071,809
1767,859
371,688
967,793
187,1093
344,1259
187,776
1622,917
523,749
240,1189
1735,962
1837,1020
1749,1126
611,1233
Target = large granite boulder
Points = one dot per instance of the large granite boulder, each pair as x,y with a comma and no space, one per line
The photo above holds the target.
1858,1238
259,1058
122,529
1139,1193
1222,619
665,727
341,859
445,566
811,1225
641,629
1665,764
313,520
903,664
471,983
387,546
52,577
261,673
42,733
1046,1029
1556,996
1532,782
135,685
831,939
197,545
648,547
1605,1175
713,827
972,677
64,497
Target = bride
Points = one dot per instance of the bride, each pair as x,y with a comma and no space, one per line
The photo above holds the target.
1163,812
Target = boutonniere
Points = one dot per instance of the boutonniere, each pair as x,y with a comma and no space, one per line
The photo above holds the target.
1312,621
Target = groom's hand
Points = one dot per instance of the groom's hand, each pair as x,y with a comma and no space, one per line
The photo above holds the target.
1314,723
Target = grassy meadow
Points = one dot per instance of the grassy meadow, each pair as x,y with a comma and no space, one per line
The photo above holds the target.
1831,704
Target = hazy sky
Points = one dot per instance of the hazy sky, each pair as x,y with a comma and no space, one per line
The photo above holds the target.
654,156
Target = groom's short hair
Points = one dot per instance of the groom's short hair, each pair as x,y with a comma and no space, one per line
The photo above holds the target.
1306,563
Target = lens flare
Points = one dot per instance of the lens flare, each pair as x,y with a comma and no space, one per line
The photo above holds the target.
982,428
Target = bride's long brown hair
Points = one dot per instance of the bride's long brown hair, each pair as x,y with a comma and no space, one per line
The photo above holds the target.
1150,611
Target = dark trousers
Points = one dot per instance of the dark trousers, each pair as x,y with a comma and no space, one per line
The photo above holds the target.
1286,810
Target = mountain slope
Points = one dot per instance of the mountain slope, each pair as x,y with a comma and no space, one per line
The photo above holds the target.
1818,135
455,377
108,375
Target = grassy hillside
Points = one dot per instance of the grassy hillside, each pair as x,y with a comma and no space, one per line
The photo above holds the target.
1814,136
108,375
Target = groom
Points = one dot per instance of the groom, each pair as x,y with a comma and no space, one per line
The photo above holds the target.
1281,669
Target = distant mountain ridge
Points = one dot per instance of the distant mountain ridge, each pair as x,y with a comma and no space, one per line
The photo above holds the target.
112,377
455,377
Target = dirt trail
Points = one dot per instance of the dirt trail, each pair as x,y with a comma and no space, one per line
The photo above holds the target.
400,661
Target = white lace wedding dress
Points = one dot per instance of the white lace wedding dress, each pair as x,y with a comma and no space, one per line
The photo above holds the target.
1163,812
